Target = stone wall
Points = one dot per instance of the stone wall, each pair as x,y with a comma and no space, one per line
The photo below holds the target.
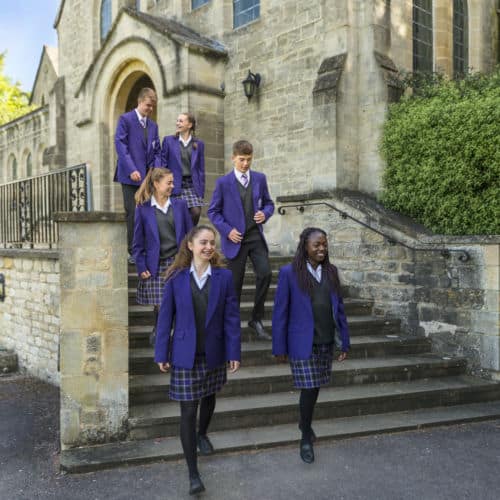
29,316
453,301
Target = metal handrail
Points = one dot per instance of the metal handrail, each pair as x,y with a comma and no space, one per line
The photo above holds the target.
463,255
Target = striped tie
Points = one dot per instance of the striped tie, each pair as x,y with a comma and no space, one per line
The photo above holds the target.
244,180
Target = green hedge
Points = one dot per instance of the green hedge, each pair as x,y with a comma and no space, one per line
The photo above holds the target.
442,149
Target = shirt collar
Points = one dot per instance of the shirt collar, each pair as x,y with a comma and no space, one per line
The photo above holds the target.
200,281
154,203
140,117
238,175
185,143
315,272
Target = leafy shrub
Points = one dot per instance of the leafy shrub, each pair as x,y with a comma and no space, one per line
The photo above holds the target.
442,149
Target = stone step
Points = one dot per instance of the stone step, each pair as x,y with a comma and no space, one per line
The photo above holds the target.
258,353
247,294
162,419
358,325
146,389
143,315
250,439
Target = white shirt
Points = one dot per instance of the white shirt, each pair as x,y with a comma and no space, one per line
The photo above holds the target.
185,143
315,272
239,174
142,119
200,281
154,203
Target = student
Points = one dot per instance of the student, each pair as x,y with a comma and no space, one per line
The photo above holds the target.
308,318
161,223
184,155
240,205
138,148
200,305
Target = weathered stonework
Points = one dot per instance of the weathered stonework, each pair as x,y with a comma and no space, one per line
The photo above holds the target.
29,316
94,327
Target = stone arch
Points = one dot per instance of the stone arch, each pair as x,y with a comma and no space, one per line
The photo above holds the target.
22,170
12,172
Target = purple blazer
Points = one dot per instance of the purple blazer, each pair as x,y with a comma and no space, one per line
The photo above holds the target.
146,244
293,323
226,209
223,330
171,158
133,150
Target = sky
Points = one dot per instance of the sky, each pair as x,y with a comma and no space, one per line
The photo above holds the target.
25,27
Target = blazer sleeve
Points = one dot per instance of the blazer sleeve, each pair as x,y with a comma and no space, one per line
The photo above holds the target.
139,242
164,325
201,156
122,146
232,323
281,312
267,202
156,151
164,152
343,329
186,216
215,210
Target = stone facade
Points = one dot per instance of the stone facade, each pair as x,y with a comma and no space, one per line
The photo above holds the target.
29,316
196,60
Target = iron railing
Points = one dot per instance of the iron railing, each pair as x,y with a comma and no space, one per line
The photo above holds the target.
463,255
27,206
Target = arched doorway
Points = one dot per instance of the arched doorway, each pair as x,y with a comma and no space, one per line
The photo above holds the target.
123,98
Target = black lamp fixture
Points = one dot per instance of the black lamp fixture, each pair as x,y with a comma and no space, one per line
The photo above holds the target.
250,84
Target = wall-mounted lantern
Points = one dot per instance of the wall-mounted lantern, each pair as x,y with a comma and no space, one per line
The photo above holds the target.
251,84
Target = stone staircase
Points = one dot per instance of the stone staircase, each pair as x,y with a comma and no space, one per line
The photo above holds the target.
389,383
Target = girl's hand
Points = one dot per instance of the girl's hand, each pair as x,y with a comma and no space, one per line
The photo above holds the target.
281,358
145,275
342,356
164,367
233,366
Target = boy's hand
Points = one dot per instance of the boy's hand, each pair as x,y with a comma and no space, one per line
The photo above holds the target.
136,176
342,356
233,366
145,275
235,236
259,217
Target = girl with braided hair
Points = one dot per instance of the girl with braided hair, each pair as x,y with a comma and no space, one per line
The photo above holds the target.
308,320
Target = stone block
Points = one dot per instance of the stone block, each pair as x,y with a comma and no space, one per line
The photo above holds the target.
490,352
492,255
80,390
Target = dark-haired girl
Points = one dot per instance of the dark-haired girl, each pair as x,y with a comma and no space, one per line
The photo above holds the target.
184,155
160,224
200,295
308,319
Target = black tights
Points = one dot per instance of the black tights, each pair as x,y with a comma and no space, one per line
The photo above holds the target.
308,398
195,213
189,410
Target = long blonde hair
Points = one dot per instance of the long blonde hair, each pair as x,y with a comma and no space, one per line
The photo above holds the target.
184,256
147,188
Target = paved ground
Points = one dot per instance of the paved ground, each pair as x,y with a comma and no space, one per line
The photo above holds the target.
459,462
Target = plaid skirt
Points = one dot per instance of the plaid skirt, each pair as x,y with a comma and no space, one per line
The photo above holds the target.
150,291
200,381
188,194
315,371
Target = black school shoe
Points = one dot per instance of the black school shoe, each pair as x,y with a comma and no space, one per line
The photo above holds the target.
259,329
196,485
306,451
204,445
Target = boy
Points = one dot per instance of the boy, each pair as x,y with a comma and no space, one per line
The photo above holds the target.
240,205
137,148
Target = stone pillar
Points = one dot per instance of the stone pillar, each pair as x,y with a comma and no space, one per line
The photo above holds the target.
94,327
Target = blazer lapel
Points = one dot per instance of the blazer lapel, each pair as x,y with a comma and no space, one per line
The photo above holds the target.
255,193
213,297
194,154
233,187
151,218
177,150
